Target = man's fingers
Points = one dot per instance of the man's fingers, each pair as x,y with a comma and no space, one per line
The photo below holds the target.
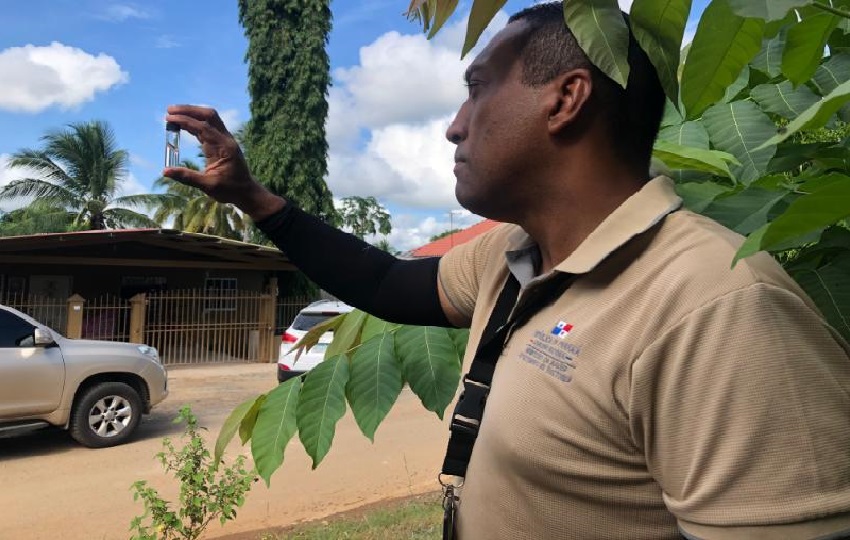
205,114
203,130
187,176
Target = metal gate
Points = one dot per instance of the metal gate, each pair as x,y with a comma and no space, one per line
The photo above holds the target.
189,327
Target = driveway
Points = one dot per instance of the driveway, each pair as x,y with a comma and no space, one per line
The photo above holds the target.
53,488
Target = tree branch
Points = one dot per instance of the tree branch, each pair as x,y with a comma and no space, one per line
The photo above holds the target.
831,9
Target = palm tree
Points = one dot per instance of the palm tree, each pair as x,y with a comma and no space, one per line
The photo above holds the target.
191,210
36,218
79,170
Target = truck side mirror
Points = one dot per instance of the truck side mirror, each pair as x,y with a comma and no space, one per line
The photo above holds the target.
43,338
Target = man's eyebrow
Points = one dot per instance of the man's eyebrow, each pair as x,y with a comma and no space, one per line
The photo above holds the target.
467,75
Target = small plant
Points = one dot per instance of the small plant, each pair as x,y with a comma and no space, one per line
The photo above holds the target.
206,493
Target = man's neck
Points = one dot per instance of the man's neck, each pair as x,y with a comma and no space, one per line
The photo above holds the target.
560,223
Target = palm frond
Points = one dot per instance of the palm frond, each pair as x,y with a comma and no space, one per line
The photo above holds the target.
123,218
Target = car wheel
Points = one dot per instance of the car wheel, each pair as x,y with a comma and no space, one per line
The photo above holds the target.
106,415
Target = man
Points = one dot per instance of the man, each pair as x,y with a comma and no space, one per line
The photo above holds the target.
663,393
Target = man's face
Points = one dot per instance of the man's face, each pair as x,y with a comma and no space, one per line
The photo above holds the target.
496,129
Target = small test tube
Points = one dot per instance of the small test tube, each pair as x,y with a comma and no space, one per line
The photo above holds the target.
172,144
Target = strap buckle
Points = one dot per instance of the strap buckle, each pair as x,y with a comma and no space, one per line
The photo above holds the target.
469,410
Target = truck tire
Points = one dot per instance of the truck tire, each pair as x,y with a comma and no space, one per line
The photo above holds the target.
105,414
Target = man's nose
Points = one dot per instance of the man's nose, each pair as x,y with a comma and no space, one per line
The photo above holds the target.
457,129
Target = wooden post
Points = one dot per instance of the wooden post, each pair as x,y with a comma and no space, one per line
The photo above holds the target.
267,308
137,318
74,328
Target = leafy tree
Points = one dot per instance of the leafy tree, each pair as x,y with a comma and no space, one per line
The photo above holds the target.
288,78
444,234
754,134
364,216
191,210
36,218
79,170
384,245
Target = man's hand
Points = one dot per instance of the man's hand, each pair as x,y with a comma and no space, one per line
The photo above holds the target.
226,177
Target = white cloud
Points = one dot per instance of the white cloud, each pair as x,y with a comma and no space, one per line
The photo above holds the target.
412,231
166,42
132,186
8,175
35,78
122,12
388,116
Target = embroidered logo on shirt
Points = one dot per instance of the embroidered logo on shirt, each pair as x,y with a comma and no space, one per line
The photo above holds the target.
562,329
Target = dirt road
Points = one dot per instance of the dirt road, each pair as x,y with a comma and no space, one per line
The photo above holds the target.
51,488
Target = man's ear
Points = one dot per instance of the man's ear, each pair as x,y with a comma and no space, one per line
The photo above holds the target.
569,95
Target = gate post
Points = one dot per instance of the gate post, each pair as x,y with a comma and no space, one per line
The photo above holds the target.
137,318
74,326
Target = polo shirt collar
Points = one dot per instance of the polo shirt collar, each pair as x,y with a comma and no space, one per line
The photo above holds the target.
636,215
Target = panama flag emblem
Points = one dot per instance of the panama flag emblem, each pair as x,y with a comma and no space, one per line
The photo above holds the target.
562,329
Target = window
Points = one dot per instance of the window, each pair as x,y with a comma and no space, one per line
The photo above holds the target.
14,331
220,294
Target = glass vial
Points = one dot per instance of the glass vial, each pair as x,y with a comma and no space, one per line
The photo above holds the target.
172,144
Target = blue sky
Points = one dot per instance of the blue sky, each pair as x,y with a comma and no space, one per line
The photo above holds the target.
66,61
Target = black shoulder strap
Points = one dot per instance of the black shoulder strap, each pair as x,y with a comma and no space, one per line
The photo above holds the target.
469,410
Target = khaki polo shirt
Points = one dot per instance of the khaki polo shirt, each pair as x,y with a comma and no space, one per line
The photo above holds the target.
664,391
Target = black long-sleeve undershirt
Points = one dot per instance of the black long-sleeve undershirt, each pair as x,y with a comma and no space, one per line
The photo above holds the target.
363,276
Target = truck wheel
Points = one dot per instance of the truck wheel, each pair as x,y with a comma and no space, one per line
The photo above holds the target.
106,415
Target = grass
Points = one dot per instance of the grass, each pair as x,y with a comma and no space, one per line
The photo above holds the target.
416,518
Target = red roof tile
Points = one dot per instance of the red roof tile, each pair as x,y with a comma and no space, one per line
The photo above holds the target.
439,247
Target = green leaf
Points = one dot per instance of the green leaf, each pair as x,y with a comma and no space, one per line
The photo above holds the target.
745,211
690,133
751,245
275,427
827,287
444,10
739,128
430,365
769,10
602,34
482,13
740,83
671,117
815,116
791,155
658,27
374,326
246,426
832,73
811,212
783,99
724,43
460,338
769,59
696,196
228,429
321,405
375,382
314,334
695,159
348,333
805,45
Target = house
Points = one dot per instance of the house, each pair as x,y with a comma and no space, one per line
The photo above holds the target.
439,247
196,297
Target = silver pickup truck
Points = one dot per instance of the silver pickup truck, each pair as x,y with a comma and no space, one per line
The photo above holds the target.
97,390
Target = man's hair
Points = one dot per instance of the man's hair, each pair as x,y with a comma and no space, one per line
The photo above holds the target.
633,115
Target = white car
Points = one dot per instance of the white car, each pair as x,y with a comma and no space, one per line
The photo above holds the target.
307,318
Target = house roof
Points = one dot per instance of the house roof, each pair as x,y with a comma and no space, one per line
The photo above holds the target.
141,247
439,247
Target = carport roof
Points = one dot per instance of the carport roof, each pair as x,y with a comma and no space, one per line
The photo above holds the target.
141,247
